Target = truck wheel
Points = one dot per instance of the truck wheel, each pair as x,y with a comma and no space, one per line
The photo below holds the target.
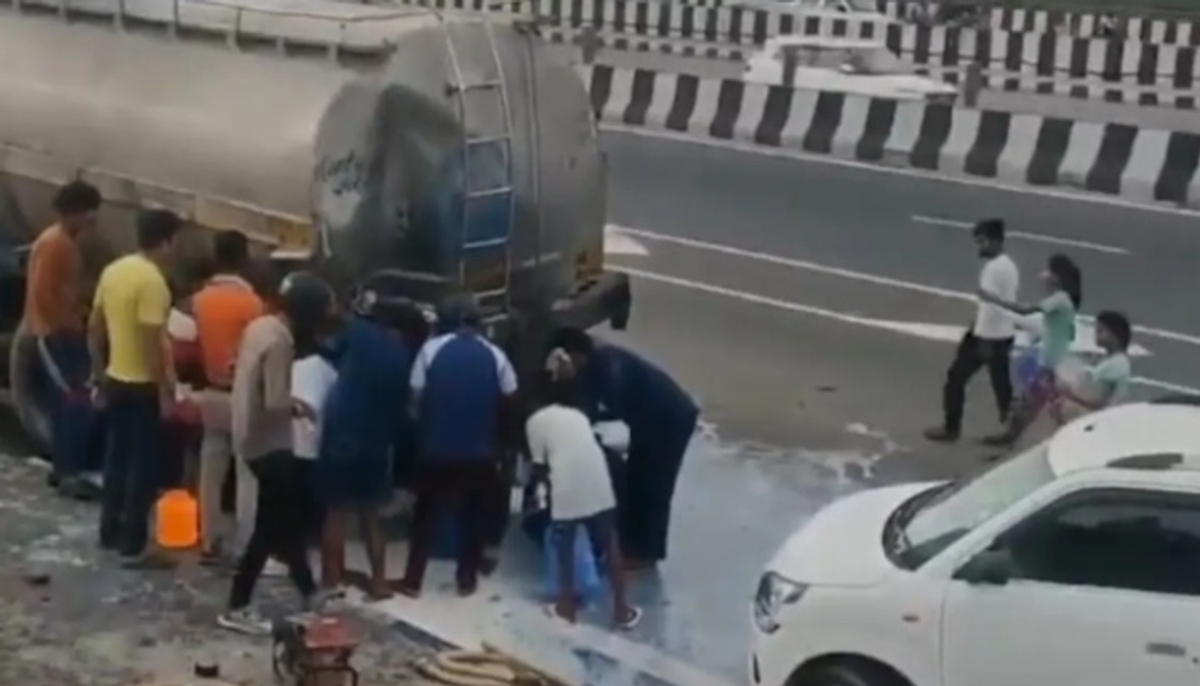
23,376
852,674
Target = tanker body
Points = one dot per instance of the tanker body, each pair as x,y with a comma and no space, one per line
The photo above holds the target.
401,150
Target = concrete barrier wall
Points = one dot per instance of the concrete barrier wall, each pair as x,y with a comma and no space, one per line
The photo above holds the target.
1015,57
1144,165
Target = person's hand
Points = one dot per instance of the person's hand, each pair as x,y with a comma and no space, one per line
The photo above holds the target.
302,410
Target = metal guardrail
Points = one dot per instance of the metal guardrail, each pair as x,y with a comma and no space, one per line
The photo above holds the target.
335,27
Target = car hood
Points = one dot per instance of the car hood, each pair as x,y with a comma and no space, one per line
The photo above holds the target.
842,545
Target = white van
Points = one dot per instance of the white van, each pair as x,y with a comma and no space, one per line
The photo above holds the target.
1076,562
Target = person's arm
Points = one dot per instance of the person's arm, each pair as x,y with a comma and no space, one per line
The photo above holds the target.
97,337
1014,307
277,377
153,307
417,379
48,280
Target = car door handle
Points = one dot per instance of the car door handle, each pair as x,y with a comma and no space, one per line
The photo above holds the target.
1165,649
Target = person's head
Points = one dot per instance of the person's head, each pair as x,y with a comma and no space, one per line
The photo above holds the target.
989,237
1113,331
459,311
305,302
575,343
1062,274
76,204
156,231
557,392
231,251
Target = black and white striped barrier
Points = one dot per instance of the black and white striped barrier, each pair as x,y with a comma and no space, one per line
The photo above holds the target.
1140,164
1090,87
1023,55
1182,30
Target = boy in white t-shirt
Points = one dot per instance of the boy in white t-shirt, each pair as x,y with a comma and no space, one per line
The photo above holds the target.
312,377
563,447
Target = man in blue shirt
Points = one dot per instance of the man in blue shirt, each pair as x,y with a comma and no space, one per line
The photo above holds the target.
461,383
614,383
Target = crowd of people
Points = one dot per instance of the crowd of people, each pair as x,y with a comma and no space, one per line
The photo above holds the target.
304,417
1046,380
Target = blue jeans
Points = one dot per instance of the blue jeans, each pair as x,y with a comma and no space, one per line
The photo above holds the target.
132,465
69,409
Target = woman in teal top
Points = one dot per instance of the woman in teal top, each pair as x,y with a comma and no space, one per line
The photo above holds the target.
1063,283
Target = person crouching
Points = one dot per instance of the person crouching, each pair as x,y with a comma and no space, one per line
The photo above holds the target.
563,447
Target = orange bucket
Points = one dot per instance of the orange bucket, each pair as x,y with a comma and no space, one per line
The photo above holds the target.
177,520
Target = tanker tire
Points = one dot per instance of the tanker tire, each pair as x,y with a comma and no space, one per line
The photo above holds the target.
22,358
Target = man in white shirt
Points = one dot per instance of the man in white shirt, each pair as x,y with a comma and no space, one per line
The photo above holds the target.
312,378
564,449
989,340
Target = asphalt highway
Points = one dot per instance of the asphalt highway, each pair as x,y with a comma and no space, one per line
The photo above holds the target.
759,272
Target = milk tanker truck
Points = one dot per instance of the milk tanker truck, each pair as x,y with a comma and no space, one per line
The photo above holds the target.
397,149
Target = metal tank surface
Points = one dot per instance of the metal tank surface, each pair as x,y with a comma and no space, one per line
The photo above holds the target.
401,149
381,140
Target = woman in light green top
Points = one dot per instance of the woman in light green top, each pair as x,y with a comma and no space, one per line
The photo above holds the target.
1064,292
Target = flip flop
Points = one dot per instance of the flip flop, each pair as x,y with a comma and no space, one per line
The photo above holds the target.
631,620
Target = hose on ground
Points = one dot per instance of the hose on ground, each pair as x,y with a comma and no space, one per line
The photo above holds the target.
485,667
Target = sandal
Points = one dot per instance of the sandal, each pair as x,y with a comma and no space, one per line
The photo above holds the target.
630,620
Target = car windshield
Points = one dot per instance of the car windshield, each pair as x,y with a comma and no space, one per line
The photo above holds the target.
956,511
877,61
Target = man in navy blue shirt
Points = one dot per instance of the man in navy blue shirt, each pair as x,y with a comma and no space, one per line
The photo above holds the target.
614,383
460,383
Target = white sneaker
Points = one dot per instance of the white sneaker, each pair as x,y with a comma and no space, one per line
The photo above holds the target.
246,620
275,568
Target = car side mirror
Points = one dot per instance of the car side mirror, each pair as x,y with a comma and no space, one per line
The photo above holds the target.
992,567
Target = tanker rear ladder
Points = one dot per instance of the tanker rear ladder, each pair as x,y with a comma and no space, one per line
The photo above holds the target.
493,84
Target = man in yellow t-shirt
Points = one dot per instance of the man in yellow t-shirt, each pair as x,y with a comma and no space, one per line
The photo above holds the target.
126,334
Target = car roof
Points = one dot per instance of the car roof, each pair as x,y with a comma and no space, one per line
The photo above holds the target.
1146,435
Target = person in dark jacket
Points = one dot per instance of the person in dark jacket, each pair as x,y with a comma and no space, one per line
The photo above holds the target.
358,436
614,383
462,385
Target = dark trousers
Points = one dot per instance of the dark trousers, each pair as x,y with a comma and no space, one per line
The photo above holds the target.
132,465
65,365
972,355
278,528
466,488
651,472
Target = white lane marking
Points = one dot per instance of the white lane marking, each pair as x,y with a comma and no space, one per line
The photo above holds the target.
618,242
1084,342
1036,237
800,308
805,265
1058,194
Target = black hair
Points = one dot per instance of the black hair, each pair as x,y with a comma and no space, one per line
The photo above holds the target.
558,392
990,229
457,310
1068,276
1118,324
156,228
574,341
231,250
76,197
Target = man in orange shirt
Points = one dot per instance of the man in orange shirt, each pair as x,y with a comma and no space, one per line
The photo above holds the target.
222,310
55,309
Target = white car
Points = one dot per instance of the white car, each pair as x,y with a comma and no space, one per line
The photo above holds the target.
847,65
1076,562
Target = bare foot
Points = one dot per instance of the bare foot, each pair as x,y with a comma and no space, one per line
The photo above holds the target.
379,590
